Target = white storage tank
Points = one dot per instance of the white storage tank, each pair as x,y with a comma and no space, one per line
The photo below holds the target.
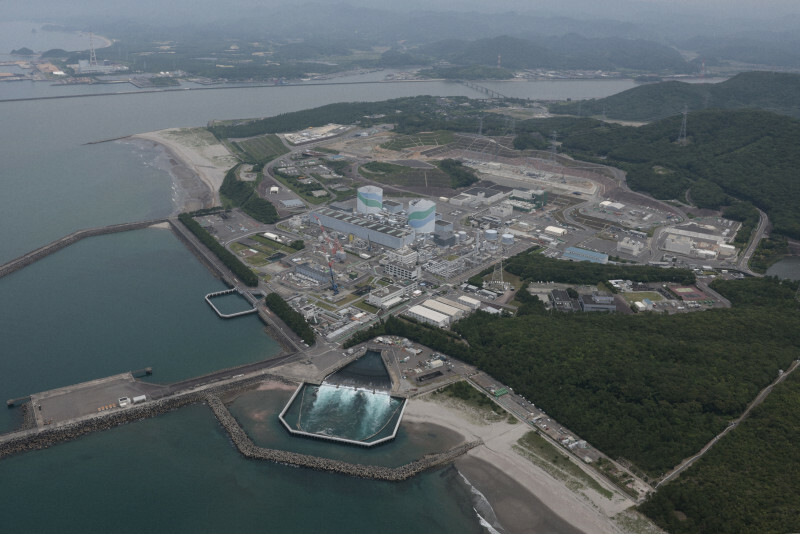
491,235
507,239
462,235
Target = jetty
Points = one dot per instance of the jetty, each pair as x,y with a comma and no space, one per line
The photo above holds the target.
50,248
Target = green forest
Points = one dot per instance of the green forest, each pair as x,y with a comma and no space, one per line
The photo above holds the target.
292,318
748,482
778,92
746,155
649,388
243,195
530,265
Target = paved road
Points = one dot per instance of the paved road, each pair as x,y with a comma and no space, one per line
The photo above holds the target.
744,262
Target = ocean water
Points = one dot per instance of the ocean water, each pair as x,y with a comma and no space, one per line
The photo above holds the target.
180,473
116,303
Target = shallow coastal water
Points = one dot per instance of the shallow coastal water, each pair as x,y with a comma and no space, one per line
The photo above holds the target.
179,473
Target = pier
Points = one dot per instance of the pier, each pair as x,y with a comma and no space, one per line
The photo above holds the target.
245,294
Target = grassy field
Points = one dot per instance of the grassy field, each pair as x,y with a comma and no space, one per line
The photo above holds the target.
634,296
441,137
366,307
256,260
262,149
271,245
547,456
390,174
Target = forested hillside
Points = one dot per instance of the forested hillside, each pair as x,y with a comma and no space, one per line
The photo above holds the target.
748,155
652,389
771,91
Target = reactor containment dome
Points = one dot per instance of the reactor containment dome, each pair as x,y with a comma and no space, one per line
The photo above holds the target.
369,199
422,215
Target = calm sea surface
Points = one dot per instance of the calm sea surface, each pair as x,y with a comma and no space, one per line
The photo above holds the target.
122,302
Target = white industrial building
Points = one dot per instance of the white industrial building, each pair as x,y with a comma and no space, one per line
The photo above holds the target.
402,263
469,301
429,316
452,312
556,231
503,210
463,307
629,246
386,297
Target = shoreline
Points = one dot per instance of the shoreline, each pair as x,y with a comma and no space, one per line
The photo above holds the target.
196,178
522,495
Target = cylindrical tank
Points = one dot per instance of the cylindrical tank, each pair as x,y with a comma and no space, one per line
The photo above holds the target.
462,235
507,239
491,235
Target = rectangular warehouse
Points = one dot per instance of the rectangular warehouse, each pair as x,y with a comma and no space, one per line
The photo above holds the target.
441,307
366,229
426,315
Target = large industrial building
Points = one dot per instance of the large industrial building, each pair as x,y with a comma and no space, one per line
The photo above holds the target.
314,272
429,316
443,233
422,215
402,264
369,199
366,229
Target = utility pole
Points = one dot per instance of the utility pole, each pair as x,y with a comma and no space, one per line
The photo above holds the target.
682,136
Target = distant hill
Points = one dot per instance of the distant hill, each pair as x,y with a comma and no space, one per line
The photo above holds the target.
746,154
566,52
772,91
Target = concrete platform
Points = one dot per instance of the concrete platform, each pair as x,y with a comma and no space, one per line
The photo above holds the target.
88,398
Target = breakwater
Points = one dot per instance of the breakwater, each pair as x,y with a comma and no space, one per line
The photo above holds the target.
250,450
34,439
44,251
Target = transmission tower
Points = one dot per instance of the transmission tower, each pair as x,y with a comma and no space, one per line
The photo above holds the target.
553,139
682,135
92,55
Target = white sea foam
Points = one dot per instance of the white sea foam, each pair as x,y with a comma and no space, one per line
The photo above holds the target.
483,509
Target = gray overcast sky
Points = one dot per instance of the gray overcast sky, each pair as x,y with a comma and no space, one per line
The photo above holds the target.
193,11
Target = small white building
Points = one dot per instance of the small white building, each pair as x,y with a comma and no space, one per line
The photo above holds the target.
556,231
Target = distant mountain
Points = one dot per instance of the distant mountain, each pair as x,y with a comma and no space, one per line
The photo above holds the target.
566,52
771,91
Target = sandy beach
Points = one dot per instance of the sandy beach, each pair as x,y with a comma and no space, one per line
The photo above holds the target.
197,163
525,498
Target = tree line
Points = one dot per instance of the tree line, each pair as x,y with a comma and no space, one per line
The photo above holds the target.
239,269
291,317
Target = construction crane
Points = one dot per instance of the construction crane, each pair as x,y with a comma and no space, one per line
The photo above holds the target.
331,254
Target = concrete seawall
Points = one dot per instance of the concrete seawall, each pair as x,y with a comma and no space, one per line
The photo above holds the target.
248,449
42,252
33,438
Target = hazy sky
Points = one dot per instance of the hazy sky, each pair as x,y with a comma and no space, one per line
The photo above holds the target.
178,12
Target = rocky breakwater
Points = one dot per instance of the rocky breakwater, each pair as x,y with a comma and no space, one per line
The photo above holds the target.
250,450
29,439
